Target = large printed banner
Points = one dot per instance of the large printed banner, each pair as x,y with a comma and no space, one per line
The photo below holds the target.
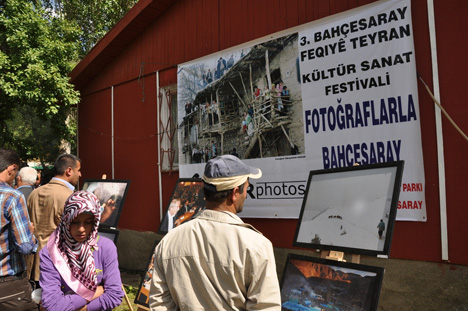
328,94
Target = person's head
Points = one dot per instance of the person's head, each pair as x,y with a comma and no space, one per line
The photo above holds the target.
68,167
27,176
232,199
174,206
9,165
81,216
38,179
226,180
75,241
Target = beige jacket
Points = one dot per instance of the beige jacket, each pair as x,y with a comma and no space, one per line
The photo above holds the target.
45,208
214,262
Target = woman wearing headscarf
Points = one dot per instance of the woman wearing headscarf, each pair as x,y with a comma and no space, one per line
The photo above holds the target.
79,268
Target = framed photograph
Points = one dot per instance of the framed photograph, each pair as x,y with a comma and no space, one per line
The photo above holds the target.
310,283
111,194
350,209
112,234
186,202
142,295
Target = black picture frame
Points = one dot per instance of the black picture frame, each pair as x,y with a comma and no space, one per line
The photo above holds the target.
112,234
187,199
108,189
312,282
343,207
142,295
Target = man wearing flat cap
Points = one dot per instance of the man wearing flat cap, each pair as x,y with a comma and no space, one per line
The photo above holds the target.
216,261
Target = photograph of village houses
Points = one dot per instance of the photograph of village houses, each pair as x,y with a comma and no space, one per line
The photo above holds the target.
247,103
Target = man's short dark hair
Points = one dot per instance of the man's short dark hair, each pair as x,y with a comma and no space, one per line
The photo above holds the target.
65,161
7,158
219,196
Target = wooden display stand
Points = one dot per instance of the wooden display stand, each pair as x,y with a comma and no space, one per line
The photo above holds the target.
126,299
339,256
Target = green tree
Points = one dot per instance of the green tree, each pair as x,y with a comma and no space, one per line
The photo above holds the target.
95,18
37,51
40,43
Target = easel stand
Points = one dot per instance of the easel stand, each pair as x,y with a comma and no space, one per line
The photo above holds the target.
104,176
339,256
126,299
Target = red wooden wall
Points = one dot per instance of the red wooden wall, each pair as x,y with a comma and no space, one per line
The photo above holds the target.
190,29
94,137
451,47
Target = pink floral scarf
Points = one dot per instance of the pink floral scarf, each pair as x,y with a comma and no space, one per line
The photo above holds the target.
74,260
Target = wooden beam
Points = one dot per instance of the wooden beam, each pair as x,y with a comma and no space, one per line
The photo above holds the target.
240,98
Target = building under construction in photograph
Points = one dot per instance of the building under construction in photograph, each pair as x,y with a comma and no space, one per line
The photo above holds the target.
253,110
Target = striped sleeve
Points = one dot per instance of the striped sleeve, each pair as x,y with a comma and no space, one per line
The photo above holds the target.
24,239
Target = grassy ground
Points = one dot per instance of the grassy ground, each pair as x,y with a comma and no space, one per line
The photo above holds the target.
131,292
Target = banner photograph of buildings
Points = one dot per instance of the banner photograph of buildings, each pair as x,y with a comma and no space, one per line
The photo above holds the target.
332,93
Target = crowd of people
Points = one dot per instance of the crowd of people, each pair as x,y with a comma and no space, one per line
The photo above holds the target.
276,99
51,239
202,155
221,67
209,113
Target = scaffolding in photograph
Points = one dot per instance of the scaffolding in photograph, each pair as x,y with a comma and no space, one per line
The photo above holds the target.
216,108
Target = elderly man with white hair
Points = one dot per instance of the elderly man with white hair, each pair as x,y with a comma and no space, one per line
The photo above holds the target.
25,180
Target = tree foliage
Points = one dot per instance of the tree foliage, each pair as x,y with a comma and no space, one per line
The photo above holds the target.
40,43
95,18
37,51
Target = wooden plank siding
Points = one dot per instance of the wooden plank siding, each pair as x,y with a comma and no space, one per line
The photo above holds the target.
94,134
191,29
452,26
135,150
158,35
